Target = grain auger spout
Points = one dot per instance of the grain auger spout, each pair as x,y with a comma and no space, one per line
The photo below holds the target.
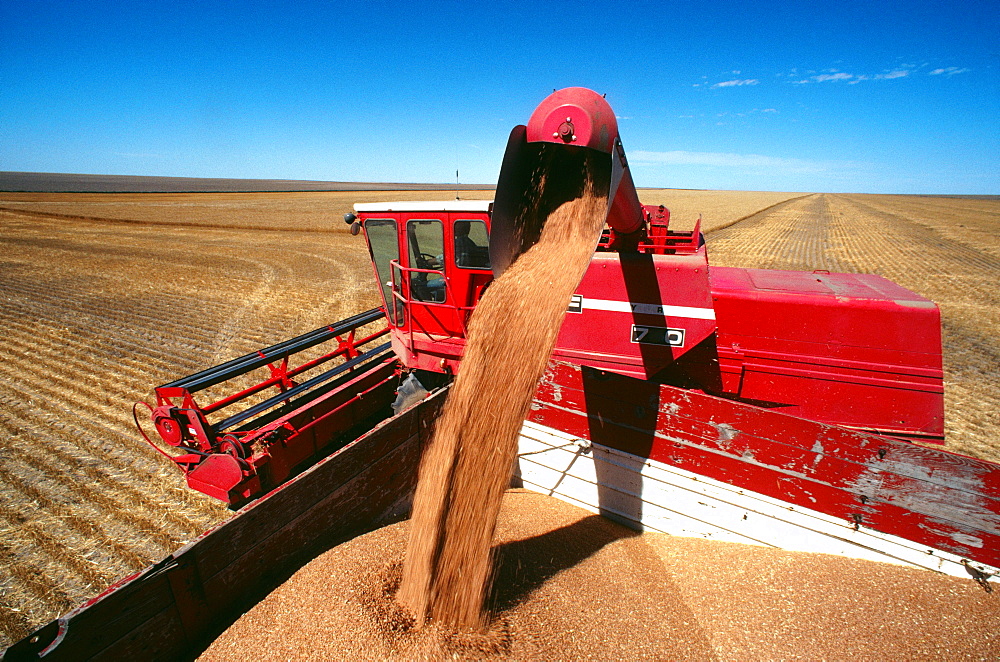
570,142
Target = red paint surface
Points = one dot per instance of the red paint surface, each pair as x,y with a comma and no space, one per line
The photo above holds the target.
933,497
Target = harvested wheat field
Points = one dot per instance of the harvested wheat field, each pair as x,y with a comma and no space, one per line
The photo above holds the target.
102,297
576,586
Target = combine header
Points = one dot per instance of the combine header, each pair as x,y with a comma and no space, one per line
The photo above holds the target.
748,405
315,409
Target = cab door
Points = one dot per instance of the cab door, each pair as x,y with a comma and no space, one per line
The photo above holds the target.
469,270
383,235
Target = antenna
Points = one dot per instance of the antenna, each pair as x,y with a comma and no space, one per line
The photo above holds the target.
456,183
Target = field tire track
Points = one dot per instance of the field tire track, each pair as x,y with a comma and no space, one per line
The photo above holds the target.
752,218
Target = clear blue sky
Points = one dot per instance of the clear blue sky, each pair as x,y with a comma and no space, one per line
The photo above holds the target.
852,96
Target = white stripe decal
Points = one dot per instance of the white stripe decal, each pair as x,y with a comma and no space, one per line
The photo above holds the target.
649,309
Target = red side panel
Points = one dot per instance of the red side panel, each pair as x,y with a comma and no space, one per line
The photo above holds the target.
944,500
849,349
637,313
220,476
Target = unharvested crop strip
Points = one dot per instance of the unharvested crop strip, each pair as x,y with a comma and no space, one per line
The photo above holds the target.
752,216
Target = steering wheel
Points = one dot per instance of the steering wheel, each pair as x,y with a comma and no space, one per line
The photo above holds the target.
429,261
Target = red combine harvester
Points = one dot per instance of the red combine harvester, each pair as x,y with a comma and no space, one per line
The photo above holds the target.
745,405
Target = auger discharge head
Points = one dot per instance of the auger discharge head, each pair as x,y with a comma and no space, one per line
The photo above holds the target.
569,144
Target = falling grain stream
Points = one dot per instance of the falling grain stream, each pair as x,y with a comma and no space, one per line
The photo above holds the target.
468,465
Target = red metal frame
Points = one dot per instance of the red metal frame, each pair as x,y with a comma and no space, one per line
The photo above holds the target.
409,302
431,335
238,456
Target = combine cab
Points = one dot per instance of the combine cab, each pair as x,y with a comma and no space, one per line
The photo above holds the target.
846,349
764,407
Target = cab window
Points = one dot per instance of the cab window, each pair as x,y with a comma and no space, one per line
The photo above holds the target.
472,244
426,241
383,244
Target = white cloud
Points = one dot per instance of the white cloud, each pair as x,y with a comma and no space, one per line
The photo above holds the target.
822,78
737,82
950,71
798,76
729,160
834,75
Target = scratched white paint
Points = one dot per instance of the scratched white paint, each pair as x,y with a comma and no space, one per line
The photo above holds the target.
726,433
818,450
936,498
646,494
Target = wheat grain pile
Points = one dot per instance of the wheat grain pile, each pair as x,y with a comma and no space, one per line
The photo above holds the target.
571,585
567,584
